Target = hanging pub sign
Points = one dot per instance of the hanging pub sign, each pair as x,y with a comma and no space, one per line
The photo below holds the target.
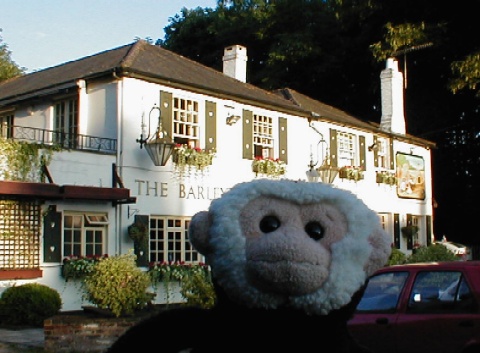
410,176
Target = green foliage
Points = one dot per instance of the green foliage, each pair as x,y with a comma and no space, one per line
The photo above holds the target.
434,252
24,160
78,267
8,68
397,257
118,285
467,74
398,38
195,281
29,304
197,289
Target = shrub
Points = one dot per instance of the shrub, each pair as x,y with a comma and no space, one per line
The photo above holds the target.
397,257
29,304
197,289
433,252
118,285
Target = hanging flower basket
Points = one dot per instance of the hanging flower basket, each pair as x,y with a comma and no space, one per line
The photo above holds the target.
185,157
351,173
269,167
138,231
409,231
385,177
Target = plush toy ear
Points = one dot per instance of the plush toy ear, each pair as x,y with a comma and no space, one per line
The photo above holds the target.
382,248
198,232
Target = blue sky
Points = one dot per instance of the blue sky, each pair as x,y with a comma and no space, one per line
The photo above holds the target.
45,33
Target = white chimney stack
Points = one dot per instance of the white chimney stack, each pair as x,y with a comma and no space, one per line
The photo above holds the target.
235,62
393,117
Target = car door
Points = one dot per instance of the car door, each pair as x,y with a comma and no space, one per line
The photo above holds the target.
440,315
373,324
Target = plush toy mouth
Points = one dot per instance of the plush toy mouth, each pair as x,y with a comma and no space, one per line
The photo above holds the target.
286,277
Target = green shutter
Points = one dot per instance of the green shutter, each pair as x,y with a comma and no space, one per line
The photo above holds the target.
247,121
392,155
375,151
166,110
282,140
362,150
52,236
210,126
429,230
396,230
333,148
140,249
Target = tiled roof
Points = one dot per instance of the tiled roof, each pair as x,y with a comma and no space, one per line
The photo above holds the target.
149,62
156,64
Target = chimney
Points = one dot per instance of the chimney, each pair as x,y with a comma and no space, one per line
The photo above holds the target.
235,62
391,81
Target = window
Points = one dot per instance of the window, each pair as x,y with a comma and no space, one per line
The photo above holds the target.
169,240
6,126
19,235
383,154
263,141
84,235
65,124
186,129
346,149
382,292
440,291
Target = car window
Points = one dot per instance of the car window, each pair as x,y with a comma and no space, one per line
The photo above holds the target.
382,292
440,292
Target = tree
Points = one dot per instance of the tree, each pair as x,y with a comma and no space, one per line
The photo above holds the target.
8,68
334,51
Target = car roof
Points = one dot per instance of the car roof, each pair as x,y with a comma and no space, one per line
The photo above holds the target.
441,265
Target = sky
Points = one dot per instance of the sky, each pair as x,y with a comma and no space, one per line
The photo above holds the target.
45,33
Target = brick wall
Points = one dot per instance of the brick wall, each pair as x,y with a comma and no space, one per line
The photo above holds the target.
85,332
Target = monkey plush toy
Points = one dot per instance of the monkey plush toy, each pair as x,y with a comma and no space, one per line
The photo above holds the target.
289,261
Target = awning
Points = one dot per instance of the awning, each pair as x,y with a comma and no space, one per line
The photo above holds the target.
44,191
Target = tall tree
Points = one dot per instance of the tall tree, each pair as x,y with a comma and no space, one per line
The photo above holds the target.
334,51
8,68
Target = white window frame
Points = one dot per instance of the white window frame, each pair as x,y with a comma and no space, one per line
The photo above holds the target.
347,149
169,240
6,125
74,238
383,153
186,124
263,136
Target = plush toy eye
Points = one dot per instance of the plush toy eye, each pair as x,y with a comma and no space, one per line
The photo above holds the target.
314,230
269,223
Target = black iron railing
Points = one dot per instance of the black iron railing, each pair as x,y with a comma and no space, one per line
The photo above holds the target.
63,139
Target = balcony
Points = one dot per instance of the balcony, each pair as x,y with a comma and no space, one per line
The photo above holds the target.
65,140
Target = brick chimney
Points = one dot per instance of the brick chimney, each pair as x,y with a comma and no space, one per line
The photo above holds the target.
235,62
393,117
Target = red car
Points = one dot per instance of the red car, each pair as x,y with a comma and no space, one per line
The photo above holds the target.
423,307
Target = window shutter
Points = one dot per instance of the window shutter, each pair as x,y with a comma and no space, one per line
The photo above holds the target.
362,152
409,239
166,102
429,230
247,126
282,140
52,236
396,230
140,249
210,126
333,148
375,151
391,156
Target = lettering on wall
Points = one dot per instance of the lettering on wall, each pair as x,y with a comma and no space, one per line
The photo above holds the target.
180,190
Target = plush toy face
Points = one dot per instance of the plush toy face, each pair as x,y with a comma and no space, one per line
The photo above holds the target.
283,243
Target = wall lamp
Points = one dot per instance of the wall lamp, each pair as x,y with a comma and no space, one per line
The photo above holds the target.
232,119
373,147
326,173
159,146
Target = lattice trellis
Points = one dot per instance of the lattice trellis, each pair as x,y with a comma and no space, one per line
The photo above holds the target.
20,223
